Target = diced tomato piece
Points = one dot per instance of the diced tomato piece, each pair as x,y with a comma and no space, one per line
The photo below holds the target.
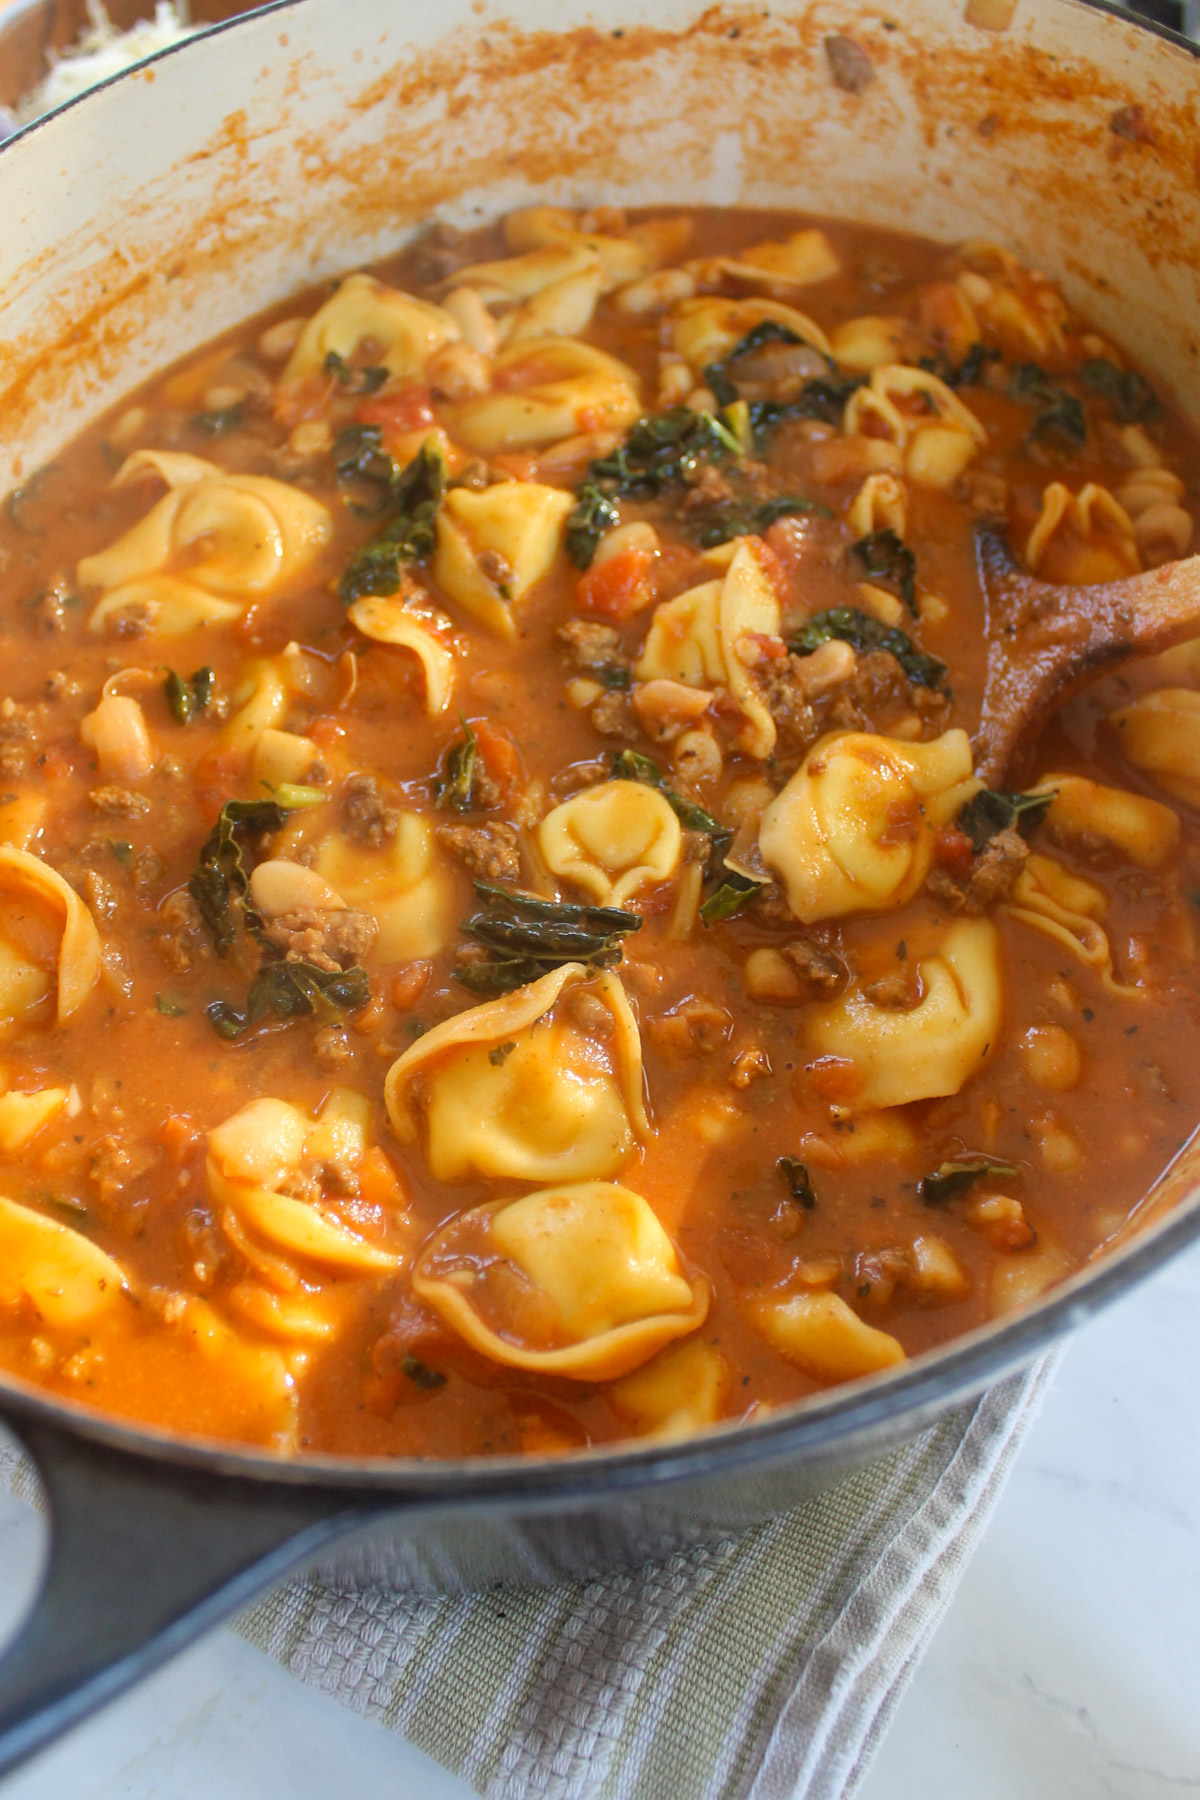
500,757
590,418
408,409
217,776
618,587
63,758
772,568
836,1078
325,731
952,851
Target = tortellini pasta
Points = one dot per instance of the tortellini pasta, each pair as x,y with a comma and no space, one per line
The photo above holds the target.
579,1281
521,1088
1069,909
22,1116
61,1274
1082,810
402,885
1020,305
387,620
557,287
210,546
801,259
296,1247
49,945
624,256
1082,538
681,1391
612,840
854,829
404,331
885,1057
1160,735
937,435
706,327
881,504
546,389
711,637
826,1338
493,547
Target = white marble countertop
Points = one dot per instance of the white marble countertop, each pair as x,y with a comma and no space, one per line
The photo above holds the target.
1068,1666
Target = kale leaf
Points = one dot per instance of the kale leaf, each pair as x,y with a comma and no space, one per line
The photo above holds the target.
293,990
593,515
967,373
864,632
882,556
990,813
526,937
453,785
224,419
1060,411
219,881
359,459
719,377
729,898
358,380
725,519
800,1186
414,498
954,1178
189,695
1130,395
631,765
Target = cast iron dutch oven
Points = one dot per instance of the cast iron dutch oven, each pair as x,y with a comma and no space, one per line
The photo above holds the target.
311,136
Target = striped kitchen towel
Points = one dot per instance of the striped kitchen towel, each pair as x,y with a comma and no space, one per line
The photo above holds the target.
754,1669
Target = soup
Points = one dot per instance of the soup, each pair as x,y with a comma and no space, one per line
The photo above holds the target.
502,947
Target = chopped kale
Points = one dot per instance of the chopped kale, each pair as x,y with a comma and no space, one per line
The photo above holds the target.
188,696
729,898
968,372
864,632
631,765
954,1178
454,784
1060,411
221,421
500,1055
663,450
359,460
526,937
824,397
613,675
716,524
170,1008
1130,395
293,990
594,514
219,880
420,1373
990,813
408,535
883,557
359,380
799,1185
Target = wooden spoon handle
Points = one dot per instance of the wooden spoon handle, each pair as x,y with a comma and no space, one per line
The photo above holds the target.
1046,642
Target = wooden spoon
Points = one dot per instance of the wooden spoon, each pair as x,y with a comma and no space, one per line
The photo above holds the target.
1045,642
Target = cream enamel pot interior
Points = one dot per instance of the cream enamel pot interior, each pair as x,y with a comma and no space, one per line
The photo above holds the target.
315,135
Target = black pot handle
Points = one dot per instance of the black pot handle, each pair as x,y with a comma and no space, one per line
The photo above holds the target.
144,1556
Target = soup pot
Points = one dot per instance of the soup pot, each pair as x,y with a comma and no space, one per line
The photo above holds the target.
309,137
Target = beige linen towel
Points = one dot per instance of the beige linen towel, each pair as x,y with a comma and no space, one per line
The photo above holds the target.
761,1668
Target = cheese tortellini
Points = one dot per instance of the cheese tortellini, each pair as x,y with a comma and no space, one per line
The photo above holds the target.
529,1087
1082,538
49,945
1069,909
612,840
403,886
494,547
300,1250
711,637
546,389
1160,735
580,1281
404,331
927,422
210,546
826,1338
1082,810
387,620
853,830
933,1048
705,328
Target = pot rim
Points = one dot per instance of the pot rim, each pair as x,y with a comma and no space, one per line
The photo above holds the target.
925,1386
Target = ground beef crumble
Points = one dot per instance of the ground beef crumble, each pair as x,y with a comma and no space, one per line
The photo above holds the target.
992,875
489,852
